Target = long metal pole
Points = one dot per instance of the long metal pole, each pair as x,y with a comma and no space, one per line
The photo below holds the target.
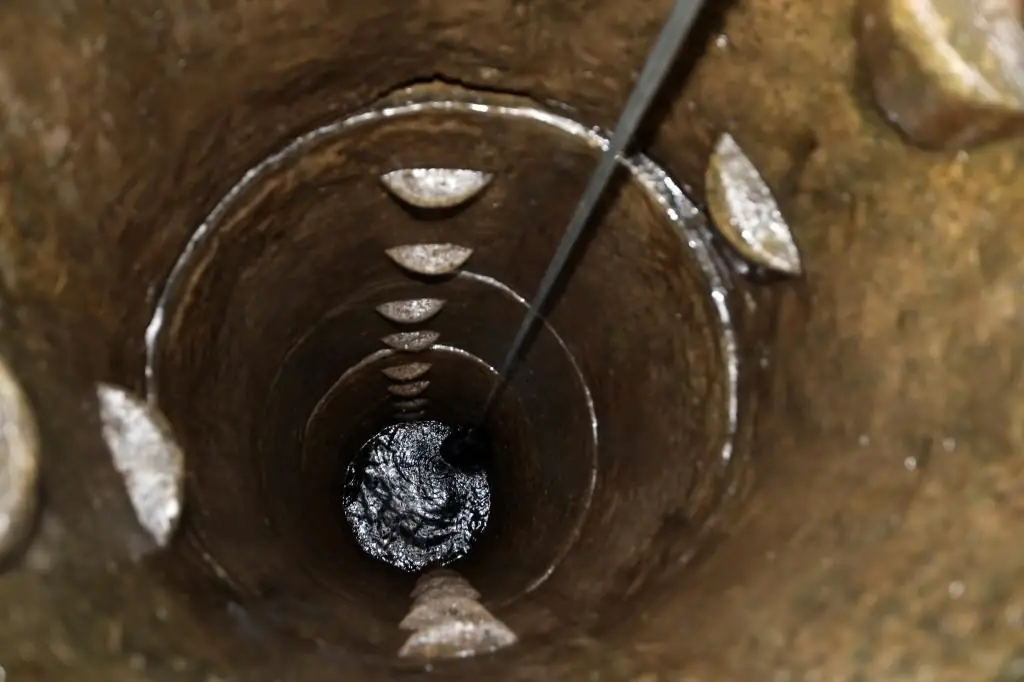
675,31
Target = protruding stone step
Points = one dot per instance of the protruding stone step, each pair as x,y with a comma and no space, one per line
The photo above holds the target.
448,621
435,187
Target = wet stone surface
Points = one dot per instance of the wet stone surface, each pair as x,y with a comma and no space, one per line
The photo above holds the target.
408,505
430,259
411,311
411,342
435,187
745,212
19,464
148,458
413,404
408,390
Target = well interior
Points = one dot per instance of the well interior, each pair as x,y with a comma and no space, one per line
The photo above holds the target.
881,452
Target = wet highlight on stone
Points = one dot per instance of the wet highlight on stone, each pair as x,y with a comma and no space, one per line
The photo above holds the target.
417,495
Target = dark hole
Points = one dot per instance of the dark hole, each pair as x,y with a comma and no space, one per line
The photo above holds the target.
417,494
467,448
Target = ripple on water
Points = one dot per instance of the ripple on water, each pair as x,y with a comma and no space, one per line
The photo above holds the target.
406,505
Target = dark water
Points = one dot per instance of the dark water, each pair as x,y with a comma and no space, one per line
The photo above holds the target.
417,494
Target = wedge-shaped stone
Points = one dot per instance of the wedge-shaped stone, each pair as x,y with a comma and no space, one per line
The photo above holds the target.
414,404
145,453
409,390
411,311
430,259
19,464
745,212
406,372
946,73
435,187
456,638
448,621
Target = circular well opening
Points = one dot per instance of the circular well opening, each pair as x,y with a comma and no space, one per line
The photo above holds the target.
267,353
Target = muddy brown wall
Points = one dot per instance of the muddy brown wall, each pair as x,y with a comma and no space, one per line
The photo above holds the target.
880,537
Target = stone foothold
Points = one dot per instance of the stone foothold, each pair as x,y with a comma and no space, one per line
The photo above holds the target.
745,212
145,453
949,74
448,621
411,342
438,578
443,583
406,372
19,464
412,311
409,390
435,187
415,404
435,611
430,259
457,638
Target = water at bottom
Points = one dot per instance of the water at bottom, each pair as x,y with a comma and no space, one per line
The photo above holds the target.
417,494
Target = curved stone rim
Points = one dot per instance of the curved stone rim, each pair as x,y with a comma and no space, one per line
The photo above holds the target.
411,311
411,342
746,213
431,260
20,452
406,372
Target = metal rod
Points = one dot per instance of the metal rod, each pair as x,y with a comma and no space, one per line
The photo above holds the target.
660,59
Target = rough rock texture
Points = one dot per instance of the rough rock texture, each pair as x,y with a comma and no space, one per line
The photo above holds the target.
946,73
880,538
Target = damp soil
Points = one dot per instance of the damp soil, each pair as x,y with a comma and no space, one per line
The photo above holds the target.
125,124
417,494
